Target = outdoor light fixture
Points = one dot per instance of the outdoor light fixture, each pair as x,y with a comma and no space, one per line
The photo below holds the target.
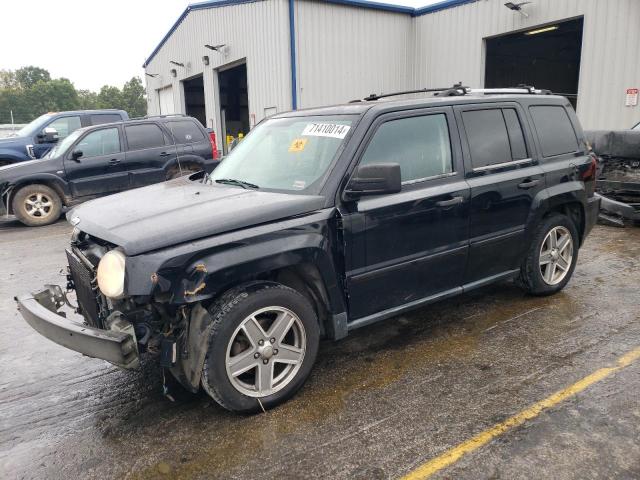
517,7
176,63
205,60
173,72
152,75
215,48
542,30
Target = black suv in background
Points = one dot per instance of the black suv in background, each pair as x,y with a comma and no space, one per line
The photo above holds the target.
96,161
320,222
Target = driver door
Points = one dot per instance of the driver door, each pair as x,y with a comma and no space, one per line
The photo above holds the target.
100,169
406,248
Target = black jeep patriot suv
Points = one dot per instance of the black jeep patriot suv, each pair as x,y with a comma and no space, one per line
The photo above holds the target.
320,222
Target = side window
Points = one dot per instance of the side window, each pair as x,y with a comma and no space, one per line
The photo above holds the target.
65,126
516,137
100,142
420,145
145,135
100,118
487,136
185,131
554,129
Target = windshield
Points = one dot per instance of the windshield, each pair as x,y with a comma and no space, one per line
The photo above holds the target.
61,147
291,154
34,127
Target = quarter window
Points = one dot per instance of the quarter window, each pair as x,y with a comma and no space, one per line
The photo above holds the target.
420,145
185,131
65,125
145,135
554,128
100,142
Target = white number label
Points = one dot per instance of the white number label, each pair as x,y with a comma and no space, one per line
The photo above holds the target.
325,130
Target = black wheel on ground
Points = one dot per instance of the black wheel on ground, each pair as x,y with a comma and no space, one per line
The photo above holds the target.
176,172
552,256
36,205
262,347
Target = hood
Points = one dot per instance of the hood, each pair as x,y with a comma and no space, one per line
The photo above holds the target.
178,211
11,141
14,171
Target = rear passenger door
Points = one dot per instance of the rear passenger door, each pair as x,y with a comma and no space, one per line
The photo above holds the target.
504,175
149,149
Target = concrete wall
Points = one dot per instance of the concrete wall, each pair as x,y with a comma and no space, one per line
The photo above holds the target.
450,47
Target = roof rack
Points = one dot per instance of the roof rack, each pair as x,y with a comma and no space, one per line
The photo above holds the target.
459,90
160,116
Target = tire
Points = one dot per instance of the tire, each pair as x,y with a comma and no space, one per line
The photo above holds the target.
233,345
545,270
37,205
176,172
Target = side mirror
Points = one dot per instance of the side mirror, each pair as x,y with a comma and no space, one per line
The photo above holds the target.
48,135
76,154
374,179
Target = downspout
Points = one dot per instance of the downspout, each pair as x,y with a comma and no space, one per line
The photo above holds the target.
292,48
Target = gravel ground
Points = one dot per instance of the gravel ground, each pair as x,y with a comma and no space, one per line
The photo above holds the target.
378,404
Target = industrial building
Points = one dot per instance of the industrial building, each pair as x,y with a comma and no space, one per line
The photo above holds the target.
231,63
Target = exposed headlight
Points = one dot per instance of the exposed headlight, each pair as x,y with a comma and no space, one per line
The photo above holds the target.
111,274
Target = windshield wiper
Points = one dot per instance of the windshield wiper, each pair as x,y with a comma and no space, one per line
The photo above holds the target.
239,183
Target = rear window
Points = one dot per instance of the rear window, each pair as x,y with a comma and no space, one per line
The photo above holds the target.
488,137
554,128
185,131
100,118
145,135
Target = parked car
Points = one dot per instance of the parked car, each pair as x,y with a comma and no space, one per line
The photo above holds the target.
320,222
100,160
38,137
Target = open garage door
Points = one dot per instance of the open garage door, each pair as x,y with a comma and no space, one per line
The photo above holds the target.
165,99
234,103
194,99
545,57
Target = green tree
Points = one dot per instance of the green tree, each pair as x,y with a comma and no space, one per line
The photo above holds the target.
52,96
8,79
87,100
27,77
133,95
110,97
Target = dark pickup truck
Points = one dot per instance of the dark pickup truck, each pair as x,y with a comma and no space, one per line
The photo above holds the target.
320,222
38,137
100,160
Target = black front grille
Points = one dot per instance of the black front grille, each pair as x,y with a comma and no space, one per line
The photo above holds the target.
86,291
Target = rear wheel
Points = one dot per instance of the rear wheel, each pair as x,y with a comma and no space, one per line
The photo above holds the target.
552,256
37,205
262,346
177,172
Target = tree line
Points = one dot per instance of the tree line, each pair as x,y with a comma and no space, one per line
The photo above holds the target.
30,91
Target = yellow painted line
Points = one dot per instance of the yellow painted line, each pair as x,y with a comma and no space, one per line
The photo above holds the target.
453,455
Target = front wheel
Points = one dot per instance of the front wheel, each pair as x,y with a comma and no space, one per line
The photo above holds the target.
37,205
552,256
262,347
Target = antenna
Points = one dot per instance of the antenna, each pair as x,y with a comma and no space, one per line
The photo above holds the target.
176,147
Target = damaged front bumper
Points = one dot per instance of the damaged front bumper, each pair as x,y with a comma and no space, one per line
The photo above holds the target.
41,311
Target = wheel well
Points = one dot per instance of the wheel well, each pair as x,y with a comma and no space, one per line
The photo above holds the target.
52,185
573,210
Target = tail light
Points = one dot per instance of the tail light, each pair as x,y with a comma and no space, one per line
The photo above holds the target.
214,145
590,172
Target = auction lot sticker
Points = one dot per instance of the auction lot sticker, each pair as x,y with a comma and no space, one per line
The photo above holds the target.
325,130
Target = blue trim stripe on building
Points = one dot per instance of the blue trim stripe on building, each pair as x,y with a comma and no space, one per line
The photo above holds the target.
414,12
292,43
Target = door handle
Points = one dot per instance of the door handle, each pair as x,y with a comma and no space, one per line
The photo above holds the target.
114,161
164,154
528,184
450,203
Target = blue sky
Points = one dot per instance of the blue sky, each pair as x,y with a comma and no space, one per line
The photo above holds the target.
91,42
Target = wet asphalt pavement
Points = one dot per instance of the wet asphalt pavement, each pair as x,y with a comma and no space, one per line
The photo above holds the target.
378,404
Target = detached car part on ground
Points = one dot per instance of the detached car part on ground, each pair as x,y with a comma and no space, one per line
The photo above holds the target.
618,179
320,222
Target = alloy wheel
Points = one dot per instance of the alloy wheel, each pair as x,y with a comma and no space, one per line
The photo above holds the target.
556,255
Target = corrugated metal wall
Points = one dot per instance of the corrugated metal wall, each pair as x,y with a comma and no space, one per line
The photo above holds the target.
344,52
450,47
258,32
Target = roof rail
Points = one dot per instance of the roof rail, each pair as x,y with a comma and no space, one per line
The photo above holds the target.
459,90
160,116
